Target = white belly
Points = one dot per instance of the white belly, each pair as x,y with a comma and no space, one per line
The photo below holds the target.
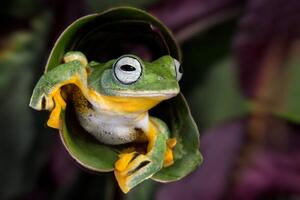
112,128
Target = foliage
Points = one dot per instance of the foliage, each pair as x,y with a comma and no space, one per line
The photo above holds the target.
241,74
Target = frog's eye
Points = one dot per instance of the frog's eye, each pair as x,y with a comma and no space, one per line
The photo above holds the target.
127,69
178,69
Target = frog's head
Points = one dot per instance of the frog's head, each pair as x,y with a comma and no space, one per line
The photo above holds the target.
135,85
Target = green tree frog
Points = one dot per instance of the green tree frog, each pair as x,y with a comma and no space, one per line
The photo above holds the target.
111,102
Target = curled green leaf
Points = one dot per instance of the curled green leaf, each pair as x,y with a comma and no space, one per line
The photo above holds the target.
120,63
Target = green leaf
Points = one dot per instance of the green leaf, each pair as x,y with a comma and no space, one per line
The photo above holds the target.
84,149
101,36
186,154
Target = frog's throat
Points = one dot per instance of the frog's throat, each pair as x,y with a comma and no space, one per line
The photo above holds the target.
116,104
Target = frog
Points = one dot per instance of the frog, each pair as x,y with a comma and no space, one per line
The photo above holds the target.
112,102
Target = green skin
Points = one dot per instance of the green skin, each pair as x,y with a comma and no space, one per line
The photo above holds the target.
158,79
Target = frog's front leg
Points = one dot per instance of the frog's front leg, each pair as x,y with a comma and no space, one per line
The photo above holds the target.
47,93
133,168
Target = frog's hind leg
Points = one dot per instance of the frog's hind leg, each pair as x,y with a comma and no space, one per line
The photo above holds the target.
133,168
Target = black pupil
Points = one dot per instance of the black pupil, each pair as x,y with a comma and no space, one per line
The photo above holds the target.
180,69
127,68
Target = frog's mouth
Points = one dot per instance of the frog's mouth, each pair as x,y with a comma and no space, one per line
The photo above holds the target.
134,102
159,95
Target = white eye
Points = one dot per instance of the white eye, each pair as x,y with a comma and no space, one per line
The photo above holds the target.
178,69
127,69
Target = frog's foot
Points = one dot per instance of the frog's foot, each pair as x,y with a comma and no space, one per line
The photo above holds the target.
47,94
132,168
169,158
60,104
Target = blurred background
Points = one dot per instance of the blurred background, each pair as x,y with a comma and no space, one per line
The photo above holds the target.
241,61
